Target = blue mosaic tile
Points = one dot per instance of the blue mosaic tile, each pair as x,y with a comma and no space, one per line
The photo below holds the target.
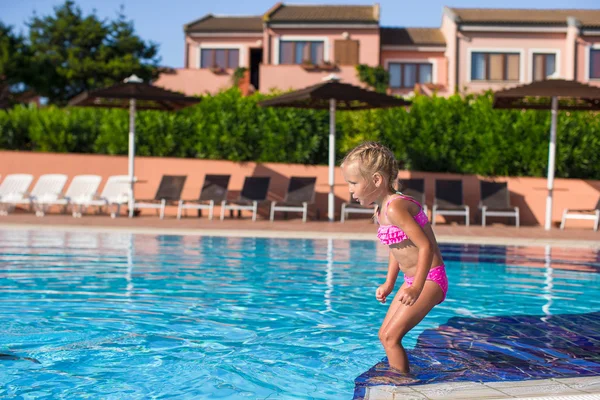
492,349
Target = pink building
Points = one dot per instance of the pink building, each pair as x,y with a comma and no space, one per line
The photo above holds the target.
496,48
293,46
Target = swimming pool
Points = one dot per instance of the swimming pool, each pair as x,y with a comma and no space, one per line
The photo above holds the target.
113,315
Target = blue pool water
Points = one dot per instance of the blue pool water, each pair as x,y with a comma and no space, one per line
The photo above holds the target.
110,315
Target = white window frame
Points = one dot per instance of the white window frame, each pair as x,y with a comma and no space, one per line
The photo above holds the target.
556,52
588,49
472,50
293,38
224,46
430,60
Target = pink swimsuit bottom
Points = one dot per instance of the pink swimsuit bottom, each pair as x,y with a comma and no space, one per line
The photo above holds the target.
391,234
437,275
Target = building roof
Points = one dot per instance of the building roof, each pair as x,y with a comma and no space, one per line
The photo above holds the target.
216,24
507,16
283,13
412,37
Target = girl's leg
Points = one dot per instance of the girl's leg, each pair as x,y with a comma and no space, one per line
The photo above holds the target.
403,320
394,306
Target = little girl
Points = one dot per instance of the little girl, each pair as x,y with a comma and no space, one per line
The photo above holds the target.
371,172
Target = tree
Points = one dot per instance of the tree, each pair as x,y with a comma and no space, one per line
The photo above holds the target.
12,55
71,52
376,77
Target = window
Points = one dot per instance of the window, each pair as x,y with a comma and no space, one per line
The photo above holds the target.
406,75
219,58
544,65
594,63
495,66
298,52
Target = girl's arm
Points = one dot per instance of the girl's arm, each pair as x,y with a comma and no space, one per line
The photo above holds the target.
384,290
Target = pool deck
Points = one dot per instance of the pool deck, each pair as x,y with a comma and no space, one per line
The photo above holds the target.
559,389
580,388
358,229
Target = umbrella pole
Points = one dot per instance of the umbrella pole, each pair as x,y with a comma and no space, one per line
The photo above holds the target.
331,199
551,162
131,158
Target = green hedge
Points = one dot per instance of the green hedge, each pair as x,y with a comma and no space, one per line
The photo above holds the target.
456,134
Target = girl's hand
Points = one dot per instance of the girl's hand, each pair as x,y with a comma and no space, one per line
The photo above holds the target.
409,295
382,292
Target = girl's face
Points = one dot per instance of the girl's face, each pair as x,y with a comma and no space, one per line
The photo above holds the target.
365,191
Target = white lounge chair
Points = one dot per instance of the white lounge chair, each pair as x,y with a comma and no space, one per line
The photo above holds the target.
46,191
83,188
13,189
591,214
115,192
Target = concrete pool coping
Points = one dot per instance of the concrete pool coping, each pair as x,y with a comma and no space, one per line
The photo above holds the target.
579,388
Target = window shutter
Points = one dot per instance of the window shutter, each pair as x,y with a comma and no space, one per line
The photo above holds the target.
346,52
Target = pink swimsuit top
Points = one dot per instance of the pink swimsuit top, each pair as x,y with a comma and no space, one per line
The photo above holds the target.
391,234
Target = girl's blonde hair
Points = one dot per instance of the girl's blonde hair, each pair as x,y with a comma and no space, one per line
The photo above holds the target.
373,157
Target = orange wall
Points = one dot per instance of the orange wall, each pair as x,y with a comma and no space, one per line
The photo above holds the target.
194,82
527,193
291,77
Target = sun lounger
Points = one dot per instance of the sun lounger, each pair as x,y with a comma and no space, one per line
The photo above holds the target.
253,193
168,193
354,207
47,190
214,191
585,214
300,193
495,201
115,193
13,190
82,189
449,200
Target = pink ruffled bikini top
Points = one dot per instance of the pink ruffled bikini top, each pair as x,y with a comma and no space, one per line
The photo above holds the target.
391,234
